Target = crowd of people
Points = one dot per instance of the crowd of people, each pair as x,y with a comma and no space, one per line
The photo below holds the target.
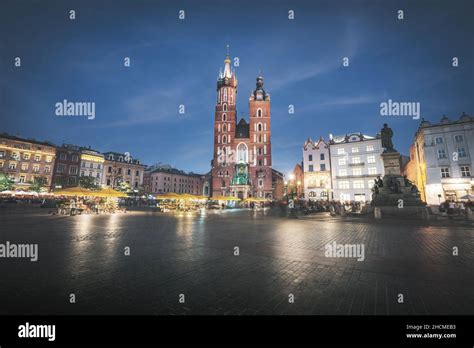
79,205
456,208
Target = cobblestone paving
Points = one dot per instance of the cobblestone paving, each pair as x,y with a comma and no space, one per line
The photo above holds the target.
193,254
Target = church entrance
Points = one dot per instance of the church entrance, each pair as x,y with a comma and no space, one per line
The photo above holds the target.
240,194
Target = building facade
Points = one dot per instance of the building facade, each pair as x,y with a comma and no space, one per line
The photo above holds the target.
164,180
355,162
92,164
25,159
441,163
317,170
119,167
66,166
242,158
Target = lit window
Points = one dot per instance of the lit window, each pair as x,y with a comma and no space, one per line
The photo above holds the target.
371,159
357,171
340,151
342,172
355,149
343,184
341,161
358,184
372,170
310,168
356,160
369,148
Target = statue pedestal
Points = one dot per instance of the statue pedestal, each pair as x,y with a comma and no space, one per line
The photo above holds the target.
391,163
396,197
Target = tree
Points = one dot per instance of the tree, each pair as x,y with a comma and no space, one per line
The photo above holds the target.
88,182
6,183
38,183
124,187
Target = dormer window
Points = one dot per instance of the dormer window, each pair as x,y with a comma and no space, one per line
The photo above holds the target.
111,157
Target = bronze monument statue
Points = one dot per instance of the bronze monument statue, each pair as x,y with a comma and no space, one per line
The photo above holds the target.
386,134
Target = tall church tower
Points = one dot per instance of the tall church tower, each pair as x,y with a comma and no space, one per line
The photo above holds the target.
224,130
260,141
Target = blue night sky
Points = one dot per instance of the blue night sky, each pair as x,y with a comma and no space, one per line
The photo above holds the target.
176,62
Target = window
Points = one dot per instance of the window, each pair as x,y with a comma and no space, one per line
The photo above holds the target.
370,184
259,127
458,138
120,170
371,159
26,156
259,112
461,152
91,165
340,151
445,172
465,171
129,172
75,158
224,107
224,128
342,172
73,170
311,168
12,166
372,170
37,158
223,183
98,176
109,170
36,168
24,166
341,161
22,178
322,167
1,164
72,181
355,149
15,155
355,160
225,94
343,185
358,184
310,158
137,173
321,157
47,169
2,154
82,173
108,182
62,156
60,168
224,139
49,159
83,164
260,182
357,171
438,140
369,148
441,153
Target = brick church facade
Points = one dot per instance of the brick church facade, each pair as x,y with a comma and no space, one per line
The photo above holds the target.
242,160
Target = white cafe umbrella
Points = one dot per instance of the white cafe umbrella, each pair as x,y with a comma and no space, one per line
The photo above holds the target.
471,197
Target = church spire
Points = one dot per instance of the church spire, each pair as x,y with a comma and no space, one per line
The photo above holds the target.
227,69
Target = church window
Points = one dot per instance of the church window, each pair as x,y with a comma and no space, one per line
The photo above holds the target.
225,94
224,117
224,139
224,107
259,112
259,127
224,128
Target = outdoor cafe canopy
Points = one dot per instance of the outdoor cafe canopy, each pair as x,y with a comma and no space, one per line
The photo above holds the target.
255,200
168,195
80,191
225,198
